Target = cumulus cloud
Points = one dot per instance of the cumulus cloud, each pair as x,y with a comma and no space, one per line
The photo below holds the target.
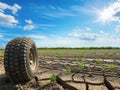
3,6
28,27
84,36
13,8
70,41
6,19
29,21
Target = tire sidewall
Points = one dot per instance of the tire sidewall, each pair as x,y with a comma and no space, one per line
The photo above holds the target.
32,73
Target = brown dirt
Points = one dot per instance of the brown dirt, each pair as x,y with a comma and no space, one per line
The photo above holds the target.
91,78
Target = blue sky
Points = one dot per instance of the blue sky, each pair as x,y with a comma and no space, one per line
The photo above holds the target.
61,23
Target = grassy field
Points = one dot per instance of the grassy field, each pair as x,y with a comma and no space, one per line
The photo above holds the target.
1,52
80,53
77,53
80,65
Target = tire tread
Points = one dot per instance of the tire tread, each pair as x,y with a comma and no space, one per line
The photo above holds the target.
15,61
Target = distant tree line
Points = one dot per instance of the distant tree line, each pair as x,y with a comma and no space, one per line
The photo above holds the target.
79,48
1,49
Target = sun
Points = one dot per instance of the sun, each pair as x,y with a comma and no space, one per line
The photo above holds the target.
105,15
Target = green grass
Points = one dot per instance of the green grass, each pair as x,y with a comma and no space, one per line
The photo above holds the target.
112,67
81,65
98,61
68,69
53,78
1,52
80,53
76,53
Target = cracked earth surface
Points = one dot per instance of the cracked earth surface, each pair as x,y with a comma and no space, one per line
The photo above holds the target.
91,78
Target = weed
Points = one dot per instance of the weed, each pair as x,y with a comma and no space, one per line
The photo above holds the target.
112,67
98,61
81,65
68,69
53,78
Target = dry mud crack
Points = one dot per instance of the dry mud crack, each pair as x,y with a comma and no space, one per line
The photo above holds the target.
91,78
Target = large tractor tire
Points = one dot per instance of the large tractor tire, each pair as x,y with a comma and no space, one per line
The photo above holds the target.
20,60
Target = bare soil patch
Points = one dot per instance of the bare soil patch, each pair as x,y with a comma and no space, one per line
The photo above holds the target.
91,78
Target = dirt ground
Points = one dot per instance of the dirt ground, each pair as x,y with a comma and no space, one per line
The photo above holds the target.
91,78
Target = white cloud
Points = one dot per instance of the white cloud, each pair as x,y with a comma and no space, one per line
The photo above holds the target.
59,42
37,36
28,27
3,6
84,36
87,28
13,8
95,39
29,21
6,19
101,31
